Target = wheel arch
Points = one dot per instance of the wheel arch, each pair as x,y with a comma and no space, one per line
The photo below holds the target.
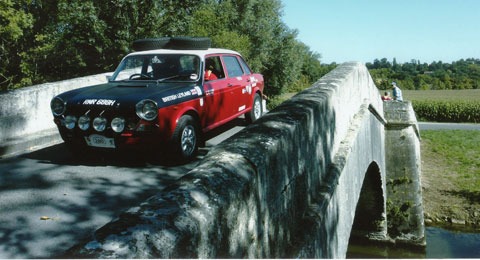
191,111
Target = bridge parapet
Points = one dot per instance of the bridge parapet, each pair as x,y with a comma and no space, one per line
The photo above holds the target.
285,186
25,116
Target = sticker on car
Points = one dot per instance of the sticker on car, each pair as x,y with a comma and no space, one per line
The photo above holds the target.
177,96
99,102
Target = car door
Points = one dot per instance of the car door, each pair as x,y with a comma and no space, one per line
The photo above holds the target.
217,93
236,82
249,81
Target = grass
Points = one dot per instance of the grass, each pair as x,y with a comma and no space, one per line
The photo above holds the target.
460,150
274,102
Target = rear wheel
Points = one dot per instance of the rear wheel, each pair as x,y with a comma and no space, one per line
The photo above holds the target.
257,109
185,139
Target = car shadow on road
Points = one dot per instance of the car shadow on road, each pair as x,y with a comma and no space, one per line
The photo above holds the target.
60,155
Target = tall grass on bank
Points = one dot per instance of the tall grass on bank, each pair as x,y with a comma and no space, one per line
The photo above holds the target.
460,150
446,105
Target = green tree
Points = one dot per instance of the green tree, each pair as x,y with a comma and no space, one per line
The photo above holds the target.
60,39
462,74
14,24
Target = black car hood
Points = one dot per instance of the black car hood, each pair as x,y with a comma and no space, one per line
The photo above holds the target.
126,95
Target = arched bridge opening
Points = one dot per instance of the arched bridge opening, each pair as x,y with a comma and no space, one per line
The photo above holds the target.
370,220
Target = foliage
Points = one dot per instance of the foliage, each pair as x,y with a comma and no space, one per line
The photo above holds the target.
52,40
304,81
460,150
398,216
14,23
446,105
462,74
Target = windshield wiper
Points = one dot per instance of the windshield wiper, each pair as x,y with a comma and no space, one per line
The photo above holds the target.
171,77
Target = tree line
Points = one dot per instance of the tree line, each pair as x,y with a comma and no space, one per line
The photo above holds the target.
49,40
414,75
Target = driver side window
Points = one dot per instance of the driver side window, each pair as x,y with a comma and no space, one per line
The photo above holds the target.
213,68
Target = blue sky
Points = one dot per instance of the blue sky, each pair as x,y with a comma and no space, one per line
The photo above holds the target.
362,30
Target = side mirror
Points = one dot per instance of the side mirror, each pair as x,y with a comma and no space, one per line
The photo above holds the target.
109,78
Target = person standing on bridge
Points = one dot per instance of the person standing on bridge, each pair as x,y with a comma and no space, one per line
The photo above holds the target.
397,92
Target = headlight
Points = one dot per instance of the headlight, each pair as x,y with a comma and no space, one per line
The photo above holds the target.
84,122
70,122
118,124
147,109
99,123
58,106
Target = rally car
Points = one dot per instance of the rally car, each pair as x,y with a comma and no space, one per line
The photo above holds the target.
165,96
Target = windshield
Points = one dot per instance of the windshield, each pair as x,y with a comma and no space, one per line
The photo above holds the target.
158,67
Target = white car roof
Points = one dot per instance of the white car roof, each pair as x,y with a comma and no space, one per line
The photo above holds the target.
201,53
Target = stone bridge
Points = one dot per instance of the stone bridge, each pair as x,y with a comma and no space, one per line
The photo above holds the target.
331,164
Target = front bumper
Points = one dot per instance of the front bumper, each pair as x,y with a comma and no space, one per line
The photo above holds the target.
149,137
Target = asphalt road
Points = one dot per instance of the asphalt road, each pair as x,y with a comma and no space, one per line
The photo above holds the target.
50,200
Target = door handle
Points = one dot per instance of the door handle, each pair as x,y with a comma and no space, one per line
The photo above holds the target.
229,85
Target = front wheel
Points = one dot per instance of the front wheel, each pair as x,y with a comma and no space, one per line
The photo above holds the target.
185,139
257,109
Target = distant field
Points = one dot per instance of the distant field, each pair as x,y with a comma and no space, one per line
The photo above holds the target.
442,95
444,105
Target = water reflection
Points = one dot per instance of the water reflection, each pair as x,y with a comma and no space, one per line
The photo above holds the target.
361,250
441,243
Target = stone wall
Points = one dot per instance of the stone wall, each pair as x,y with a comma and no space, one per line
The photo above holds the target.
285,186
403,162
25,116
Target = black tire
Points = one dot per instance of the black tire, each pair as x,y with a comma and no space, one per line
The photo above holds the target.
185,139
189,43
150,44
257,110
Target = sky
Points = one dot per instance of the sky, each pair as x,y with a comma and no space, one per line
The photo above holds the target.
364,30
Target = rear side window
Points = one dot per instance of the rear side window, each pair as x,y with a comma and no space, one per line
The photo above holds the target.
245,67
233,67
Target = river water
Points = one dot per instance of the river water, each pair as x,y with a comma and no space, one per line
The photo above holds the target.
441,243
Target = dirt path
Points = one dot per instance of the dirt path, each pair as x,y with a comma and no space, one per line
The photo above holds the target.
443,202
